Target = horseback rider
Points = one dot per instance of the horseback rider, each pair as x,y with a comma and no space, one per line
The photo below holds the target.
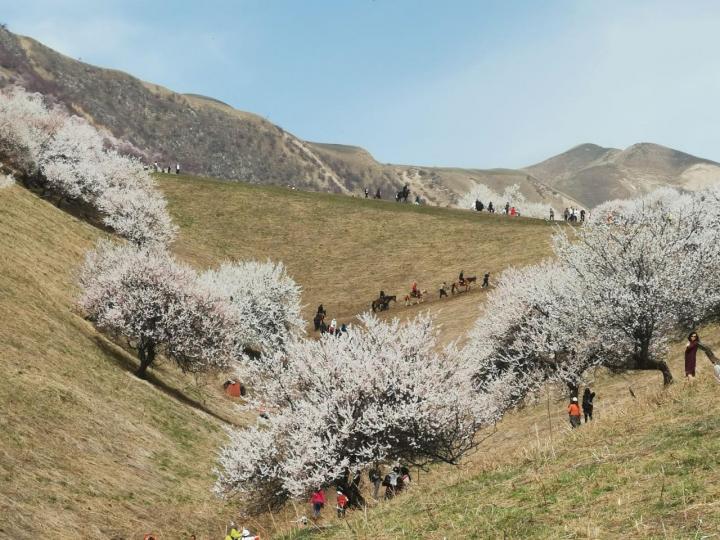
382,295
461,278
414,289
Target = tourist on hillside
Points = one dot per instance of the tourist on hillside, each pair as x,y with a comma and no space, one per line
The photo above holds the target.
552,215
587,404
377,194
486,280
321,310
491,208
443,289
566,214
318,501
375,476
391,483
417,200
234,534
367,193
574,413
333,326
342,502
690,354
177,168
582,215
461,278
507,208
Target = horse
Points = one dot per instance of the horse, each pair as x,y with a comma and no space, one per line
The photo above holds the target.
383,303
464,283
419,296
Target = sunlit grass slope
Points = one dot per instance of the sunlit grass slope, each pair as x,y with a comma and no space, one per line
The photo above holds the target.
344,250
646,467
86,449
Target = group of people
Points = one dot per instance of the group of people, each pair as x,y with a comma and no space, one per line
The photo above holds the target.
163,169
322,327
461,282
570,214
587,408
401,195
234,534
508,209
396,480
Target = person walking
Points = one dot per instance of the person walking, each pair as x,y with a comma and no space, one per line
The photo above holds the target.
377,194
177,168
367,193
486,280
342,502
587,404
552,215
574,413
691,354
375,476
491,208
317,500
443,289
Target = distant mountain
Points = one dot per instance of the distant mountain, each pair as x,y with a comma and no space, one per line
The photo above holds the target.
209,137
592,174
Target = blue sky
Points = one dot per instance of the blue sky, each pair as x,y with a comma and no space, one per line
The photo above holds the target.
455,83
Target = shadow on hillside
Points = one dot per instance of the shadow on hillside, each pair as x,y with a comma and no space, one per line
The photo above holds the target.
125,361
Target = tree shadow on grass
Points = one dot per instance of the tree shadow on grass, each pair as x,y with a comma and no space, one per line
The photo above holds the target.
123,359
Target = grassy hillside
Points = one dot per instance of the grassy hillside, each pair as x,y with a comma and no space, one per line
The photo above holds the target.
344,250
646,467
87,450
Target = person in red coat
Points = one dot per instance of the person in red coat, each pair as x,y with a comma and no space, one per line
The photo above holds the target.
690,354
342,502
318,501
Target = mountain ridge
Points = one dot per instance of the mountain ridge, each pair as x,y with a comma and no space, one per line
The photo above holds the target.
211,138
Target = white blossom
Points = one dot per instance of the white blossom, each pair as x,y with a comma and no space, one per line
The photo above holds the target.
143,295
381,392
265,300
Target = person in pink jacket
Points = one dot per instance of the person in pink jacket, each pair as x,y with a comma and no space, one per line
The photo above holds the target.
318,501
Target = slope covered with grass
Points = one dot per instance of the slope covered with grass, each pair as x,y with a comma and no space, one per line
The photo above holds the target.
646,467
344,250
88,450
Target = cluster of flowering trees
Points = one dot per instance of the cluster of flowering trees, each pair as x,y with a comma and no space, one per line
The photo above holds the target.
511,195
638,275
382,392
71,159
142,294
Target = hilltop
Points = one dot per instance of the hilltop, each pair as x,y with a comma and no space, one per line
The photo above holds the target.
211,138
592,174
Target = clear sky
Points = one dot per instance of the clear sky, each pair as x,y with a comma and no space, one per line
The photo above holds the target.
456,83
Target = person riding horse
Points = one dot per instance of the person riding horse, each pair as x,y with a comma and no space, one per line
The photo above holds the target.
461,278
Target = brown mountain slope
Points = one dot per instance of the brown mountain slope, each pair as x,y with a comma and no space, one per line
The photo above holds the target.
209,137
592,174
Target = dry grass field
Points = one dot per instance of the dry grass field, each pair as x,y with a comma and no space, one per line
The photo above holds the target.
89,451
344,250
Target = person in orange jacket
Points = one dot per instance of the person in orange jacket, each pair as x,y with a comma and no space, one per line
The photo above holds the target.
574,412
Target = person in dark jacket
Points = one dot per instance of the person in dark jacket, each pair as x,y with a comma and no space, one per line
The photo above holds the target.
486,280
587,404
690,354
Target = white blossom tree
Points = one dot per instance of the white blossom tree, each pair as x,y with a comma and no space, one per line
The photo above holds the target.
380,393
649,271
531,330
143,295
265,300
69,158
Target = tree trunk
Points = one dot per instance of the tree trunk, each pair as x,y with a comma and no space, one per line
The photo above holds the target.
659,365
146,352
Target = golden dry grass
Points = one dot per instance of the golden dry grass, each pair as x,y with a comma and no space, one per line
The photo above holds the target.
344,250
87,450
